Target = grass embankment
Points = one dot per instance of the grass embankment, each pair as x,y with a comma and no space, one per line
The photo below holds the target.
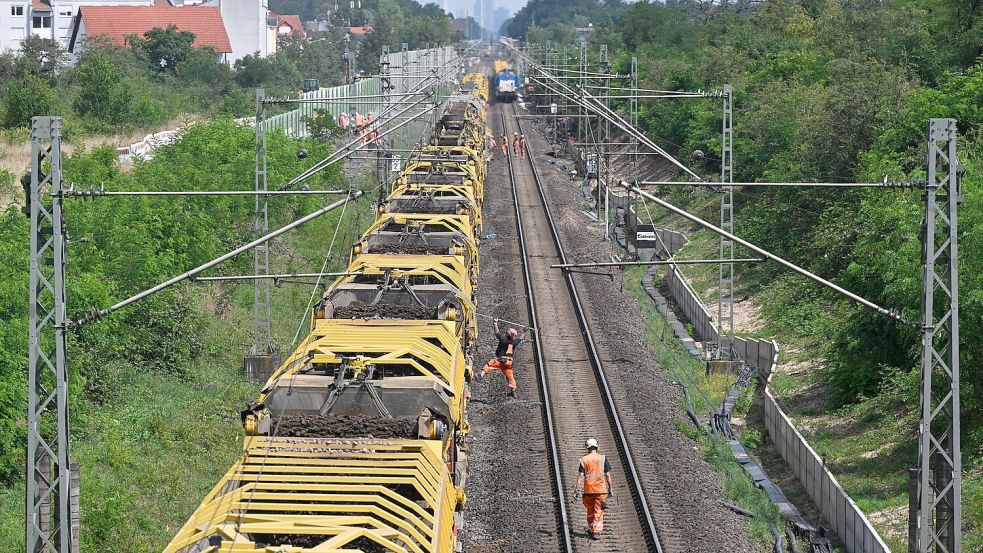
869,445
159,441
706,393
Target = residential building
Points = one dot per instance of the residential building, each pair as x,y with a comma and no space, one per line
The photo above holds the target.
115,23
45,18
249,26
287,25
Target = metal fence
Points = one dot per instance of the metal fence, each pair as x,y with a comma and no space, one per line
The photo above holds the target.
406,69
845,518
293,122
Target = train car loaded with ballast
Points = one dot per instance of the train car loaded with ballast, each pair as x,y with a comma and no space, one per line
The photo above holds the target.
356,443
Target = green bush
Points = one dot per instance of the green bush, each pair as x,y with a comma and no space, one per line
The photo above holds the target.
102,95
27,98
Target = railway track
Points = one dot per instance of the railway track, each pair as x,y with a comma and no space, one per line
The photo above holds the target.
577,400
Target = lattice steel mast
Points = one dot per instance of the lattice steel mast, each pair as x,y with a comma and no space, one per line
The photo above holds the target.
938,442
49,474
262,304
725,289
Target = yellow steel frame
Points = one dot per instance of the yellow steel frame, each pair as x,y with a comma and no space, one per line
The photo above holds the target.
448,269
338,489
449,223
443,190
398,494
470,175
384,342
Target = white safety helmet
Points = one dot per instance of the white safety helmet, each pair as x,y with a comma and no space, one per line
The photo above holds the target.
590,443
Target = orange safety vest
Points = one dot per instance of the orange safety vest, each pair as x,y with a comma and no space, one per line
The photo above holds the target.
593,464
507,358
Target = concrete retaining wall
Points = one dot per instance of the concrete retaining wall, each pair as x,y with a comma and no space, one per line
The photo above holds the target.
846,519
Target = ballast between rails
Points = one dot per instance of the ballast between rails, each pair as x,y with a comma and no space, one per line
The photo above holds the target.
638,493
551,442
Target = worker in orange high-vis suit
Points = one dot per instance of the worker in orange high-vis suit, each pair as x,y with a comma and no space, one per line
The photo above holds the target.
508,343
594,482
505,144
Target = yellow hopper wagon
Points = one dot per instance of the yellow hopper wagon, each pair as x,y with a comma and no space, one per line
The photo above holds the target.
357,441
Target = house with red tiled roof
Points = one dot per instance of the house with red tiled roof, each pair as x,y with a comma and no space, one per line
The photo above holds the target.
359,31
115,23
52,19
246,22
287,25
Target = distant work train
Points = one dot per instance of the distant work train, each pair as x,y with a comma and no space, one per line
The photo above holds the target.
506,82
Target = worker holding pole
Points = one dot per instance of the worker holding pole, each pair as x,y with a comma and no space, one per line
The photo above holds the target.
594,483
508,343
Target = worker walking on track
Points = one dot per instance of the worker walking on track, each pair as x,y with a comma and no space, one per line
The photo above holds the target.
508,343
594,483
505,144
522,145
515,143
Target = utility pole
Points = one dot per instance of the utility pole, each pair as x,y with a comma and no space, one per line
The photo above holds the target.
382,158
262,359
725,282
605,67
633,121
939,441
52,507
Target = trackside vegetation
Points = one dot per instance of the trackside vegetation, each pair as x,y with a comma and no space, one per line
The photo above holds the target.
156,386
828,91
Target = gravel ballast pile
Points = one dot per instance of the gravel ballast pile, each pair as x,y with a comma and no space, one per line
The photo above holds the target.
409,249
345,426
357,310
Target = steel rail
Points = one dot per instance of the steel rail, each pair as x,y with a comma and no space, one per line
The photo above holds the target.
638,492
541,364
648,263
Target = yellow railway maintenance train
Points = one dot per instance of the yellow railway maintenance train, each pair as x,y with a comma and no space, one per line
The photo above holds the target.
356,443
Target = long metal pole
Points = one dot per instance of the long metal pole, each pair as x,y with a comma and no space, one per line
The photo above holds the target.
890,313
939,447
884,184
270,277
49,513
648,263
262,294
97,193
187,275
725,281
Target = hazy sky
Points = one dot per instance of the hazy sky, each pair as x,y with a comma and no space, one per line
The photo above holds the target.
459,7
